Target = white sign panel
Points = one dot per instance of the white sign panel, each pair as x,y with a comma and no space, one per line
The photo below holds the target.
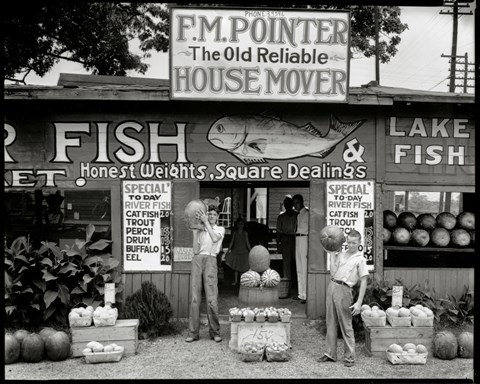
350,205
147,229
259,54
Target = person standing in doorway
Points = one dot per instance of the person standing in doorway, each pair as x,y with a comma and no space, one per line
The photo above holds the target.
238,250
346,269
260,198
301,247
206,246
286,225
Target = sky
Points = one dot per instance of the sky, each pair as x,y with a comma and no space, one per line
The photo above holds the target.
418,63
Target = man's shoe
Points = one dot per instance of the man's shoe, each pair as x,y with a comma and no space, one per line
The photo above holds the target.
303,301
296,298
189,339
349,363
217,339
324,359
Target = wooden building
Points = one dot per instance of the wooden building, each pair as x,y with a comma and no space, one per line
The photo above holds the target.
90,136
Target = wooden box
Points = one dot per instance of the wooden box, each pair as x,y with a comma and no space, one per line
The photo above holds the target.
378,339
241,332
258,297
123,333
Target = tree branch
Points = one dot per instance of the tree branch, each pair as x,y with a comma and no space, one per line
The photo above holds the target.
65,58
15,80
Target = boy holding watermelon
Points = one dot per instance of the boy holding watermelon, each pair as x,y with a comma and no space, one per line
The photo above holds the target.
346,269
206,245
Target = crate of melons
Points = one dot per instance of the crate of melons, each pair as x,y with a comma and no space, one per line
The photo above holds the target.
80,316
373,316
408,354
252,351
96,352
277,351
421,316
399,316
105,316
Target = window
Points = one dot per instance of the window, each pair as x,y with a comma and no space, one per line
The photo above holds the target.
56,215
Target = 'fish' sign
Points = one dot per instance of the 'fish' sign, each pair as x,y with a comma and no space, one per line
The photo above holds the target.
254,138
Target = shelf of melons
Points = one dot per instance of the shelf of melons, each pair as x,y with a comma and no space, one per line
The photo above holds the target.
427,249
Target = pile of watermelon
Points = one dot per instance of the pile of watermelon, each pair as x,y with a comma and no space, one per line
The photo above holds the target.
269,278
444,230
32,347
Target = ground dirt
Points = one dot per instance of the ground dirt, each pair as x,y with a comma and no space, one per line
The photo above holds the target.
170,357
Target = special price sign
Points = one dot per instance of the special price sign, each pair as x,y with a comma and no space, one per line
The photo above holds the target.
350,205
259,54
147,228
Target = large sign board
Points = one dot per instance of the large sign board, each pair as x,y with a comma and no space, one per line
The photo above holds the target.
350,205
259,54
147,227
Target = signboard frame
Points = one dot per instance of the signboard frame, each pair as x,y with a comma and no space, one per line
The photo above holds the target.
221,95
368,222
166,267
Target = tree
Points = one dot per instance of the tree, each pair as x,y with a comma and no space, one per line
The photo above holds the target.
97,34
362,25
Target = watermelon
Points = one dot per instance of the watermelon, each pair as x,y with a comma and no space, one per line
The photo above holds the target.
250,279
465,345
332,238
12,349
407,220
190,218
45,332
445,345
57,346
389,220
426,221
33,348
259,259
270,278
446,220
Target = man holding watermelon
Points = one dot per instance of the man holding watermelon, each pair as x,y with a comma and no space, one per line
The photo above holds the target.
206,245
346,269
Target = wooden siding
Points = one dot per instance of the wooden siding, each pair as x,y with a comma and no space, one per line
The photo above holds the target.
444,280
317,284
176,286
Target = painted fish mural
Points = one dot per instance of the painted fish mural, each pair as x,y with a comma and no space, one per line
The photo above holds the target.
255,138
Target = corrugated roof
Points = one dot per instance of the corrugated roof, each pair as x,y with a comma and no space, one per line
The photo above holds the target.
96,87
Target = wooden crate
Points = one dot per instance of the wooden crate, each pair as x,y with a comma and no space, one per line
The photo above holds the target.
258,297
378,339
124,333
241,332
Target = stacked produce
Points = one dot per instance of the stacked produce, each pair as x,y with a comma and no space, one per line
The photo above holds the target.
373,316
399,317
269,278
447,346
421,316
252,351
105,316
81,317
408,354
277,351
443,230
260,315
96,352
33,347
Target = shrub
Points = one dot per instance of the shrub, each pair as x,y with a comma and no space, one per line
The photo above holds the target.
42,285
152,308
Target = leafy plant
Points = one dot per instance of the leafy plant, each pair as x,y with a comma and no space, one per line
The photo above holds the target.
460,310
152,308
41,286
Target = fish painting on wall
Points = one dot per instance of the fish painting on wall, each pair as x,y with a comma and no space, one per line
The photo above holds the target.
256,138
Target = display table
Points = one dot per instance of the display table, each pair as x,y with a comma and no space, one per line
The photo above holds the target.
123,333
378,339
241,332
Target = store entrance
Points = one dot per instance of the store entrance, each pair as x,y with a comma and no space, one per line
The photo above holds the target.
259,205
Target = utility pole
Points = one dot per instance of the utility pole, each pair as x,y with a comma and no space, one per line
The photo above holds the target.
377,48
455,4
465,71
